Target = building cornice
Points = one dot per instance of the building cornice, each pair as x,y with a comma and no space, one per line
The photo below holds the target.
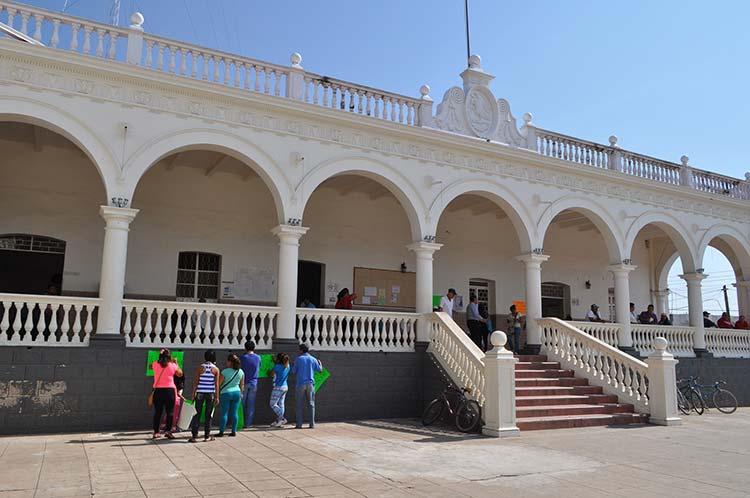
133,86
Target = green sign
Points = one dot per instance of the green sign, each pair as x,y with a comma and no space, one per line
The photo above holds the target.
436,301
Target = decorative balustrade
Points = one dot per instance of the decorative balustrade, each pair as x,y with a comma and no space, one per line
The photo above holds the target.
196,325
647,167
346,330
728,343
131,45
572,149
616,372
605,332
57,30
200,63
722,185
31,320
358,99
680,338
457,354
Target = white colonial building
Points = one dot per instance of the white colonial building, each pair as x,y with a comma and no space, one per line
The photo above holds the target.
175,189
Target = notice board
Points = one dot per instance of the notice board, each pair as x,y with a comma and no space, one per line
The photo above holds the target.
385,288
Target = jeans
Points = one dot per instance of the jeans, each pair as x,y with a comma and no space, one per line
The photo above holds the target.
163,401
278,398
517,340
201,400
305,395
230,404
248,403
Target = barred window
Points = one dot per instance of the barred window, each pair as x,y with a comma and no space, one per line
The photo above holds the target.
31,243
198,276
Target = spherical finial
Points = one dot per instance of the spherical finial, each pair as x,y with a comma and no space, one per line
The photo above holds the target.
296,59
747,176
498,339
613,140
684,160
527,116
136,20
660,344
424,90
475,62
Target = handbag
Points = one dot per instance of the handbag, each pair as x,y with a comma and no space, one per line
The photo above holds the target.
187,412
150,399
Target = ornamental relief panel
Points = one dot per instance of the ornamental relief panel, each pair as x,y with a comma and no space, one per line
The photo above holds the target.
450,114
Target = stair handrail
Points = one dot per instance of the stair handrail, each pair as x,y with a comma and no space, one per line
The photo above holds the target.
462,360
616,372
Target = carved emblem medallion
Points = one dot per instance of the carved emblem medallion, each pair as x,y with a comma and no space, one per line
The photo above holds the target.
481,111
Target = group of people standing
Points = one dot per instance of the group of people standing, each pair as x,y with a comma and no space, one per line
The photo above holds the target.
479,322
227,388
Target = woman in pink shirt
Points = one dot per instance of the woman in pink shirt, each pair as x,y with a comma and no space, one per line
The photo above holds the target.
165,369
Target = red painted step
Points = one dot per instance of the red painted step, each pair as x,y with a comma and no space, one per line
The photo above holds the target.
549,397
571,421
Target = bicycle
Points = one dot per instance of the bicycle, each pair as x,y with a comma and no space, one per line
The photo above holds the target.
466,415
689,397
722,399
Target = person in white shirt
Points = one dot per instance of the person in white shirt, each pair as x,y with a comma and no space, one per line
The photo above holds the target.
633,316
446,302
593,314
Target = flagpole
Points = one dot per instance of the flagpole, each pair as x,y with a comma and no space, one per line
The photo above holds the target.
466,18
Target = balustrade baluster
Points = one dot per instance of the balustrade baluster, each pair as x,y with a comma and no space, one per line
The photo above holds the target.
277,83
100,42
55,40
227,71
325,95
112,45
87,39
266,80
246,74
74,37
216,61
392,102
237,69
11,16
78,310
183,62
25,22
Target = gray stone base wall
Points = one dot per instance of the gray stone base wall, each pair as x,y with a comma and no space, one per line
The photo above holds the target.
735,371
104,387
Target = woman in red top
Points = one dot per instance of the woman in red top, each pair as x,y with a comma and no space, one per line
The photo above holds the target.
724,322
165,369
345,300
741,323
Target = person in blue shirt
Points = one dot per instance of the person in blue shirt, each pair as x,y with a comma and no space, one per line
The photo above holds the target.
304,369
250,366
280,374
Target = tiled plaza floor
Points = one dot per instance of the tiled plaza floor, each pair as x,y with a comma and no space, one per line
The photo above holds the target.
706,456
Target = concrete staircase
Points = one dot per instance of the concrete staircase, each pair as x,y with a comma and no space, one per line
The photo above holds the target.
548,397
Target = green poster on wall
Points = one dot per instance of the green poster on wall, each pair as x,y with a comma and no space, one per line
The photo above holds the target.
436,301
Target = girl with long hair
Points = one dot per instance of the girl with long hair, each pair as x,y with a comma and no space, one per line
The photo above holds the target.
232,381
165,369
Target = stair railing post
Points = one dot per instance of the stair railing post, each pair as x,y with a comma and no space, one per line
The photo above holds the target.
500,389
662,388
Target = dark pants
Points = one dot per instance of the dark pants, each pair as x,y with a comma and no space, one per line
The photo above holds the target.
515,335
163,401
476,331
201,400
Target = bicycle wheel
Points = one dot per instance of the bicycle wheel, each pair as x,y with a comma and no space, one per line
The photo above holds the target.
433,411
696,400
724,401
682,403
468,416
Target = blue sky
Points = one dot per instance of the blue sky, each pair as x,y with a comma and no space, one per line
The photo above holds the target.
667,77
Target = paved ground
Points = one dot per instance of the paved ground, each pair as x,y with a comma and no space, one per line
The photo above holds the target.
707,456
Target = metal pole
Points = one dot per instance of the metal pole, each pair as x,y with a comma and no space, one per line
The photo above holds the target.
726,300
466,18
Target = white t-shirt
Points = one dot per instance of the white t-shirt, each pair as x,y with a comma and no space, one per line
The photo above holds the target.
447,305
633,317
592,316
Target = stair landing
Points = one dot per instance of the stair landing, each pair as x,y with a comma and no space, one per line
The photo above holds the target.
548,397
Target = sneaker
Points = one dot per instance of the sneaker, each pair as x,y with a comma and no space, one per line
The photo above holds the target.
221,434
312,426
232,434
275,423
283,422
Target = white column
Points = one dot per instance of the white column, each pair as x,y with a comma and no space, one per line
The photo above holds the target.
286,300
533,264
424,252
499,389
622,302
695,308
743,296
661,298
662,386
114,259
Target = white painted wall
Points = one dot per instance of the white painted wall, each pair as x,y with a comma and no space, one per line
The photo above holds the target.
55,192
